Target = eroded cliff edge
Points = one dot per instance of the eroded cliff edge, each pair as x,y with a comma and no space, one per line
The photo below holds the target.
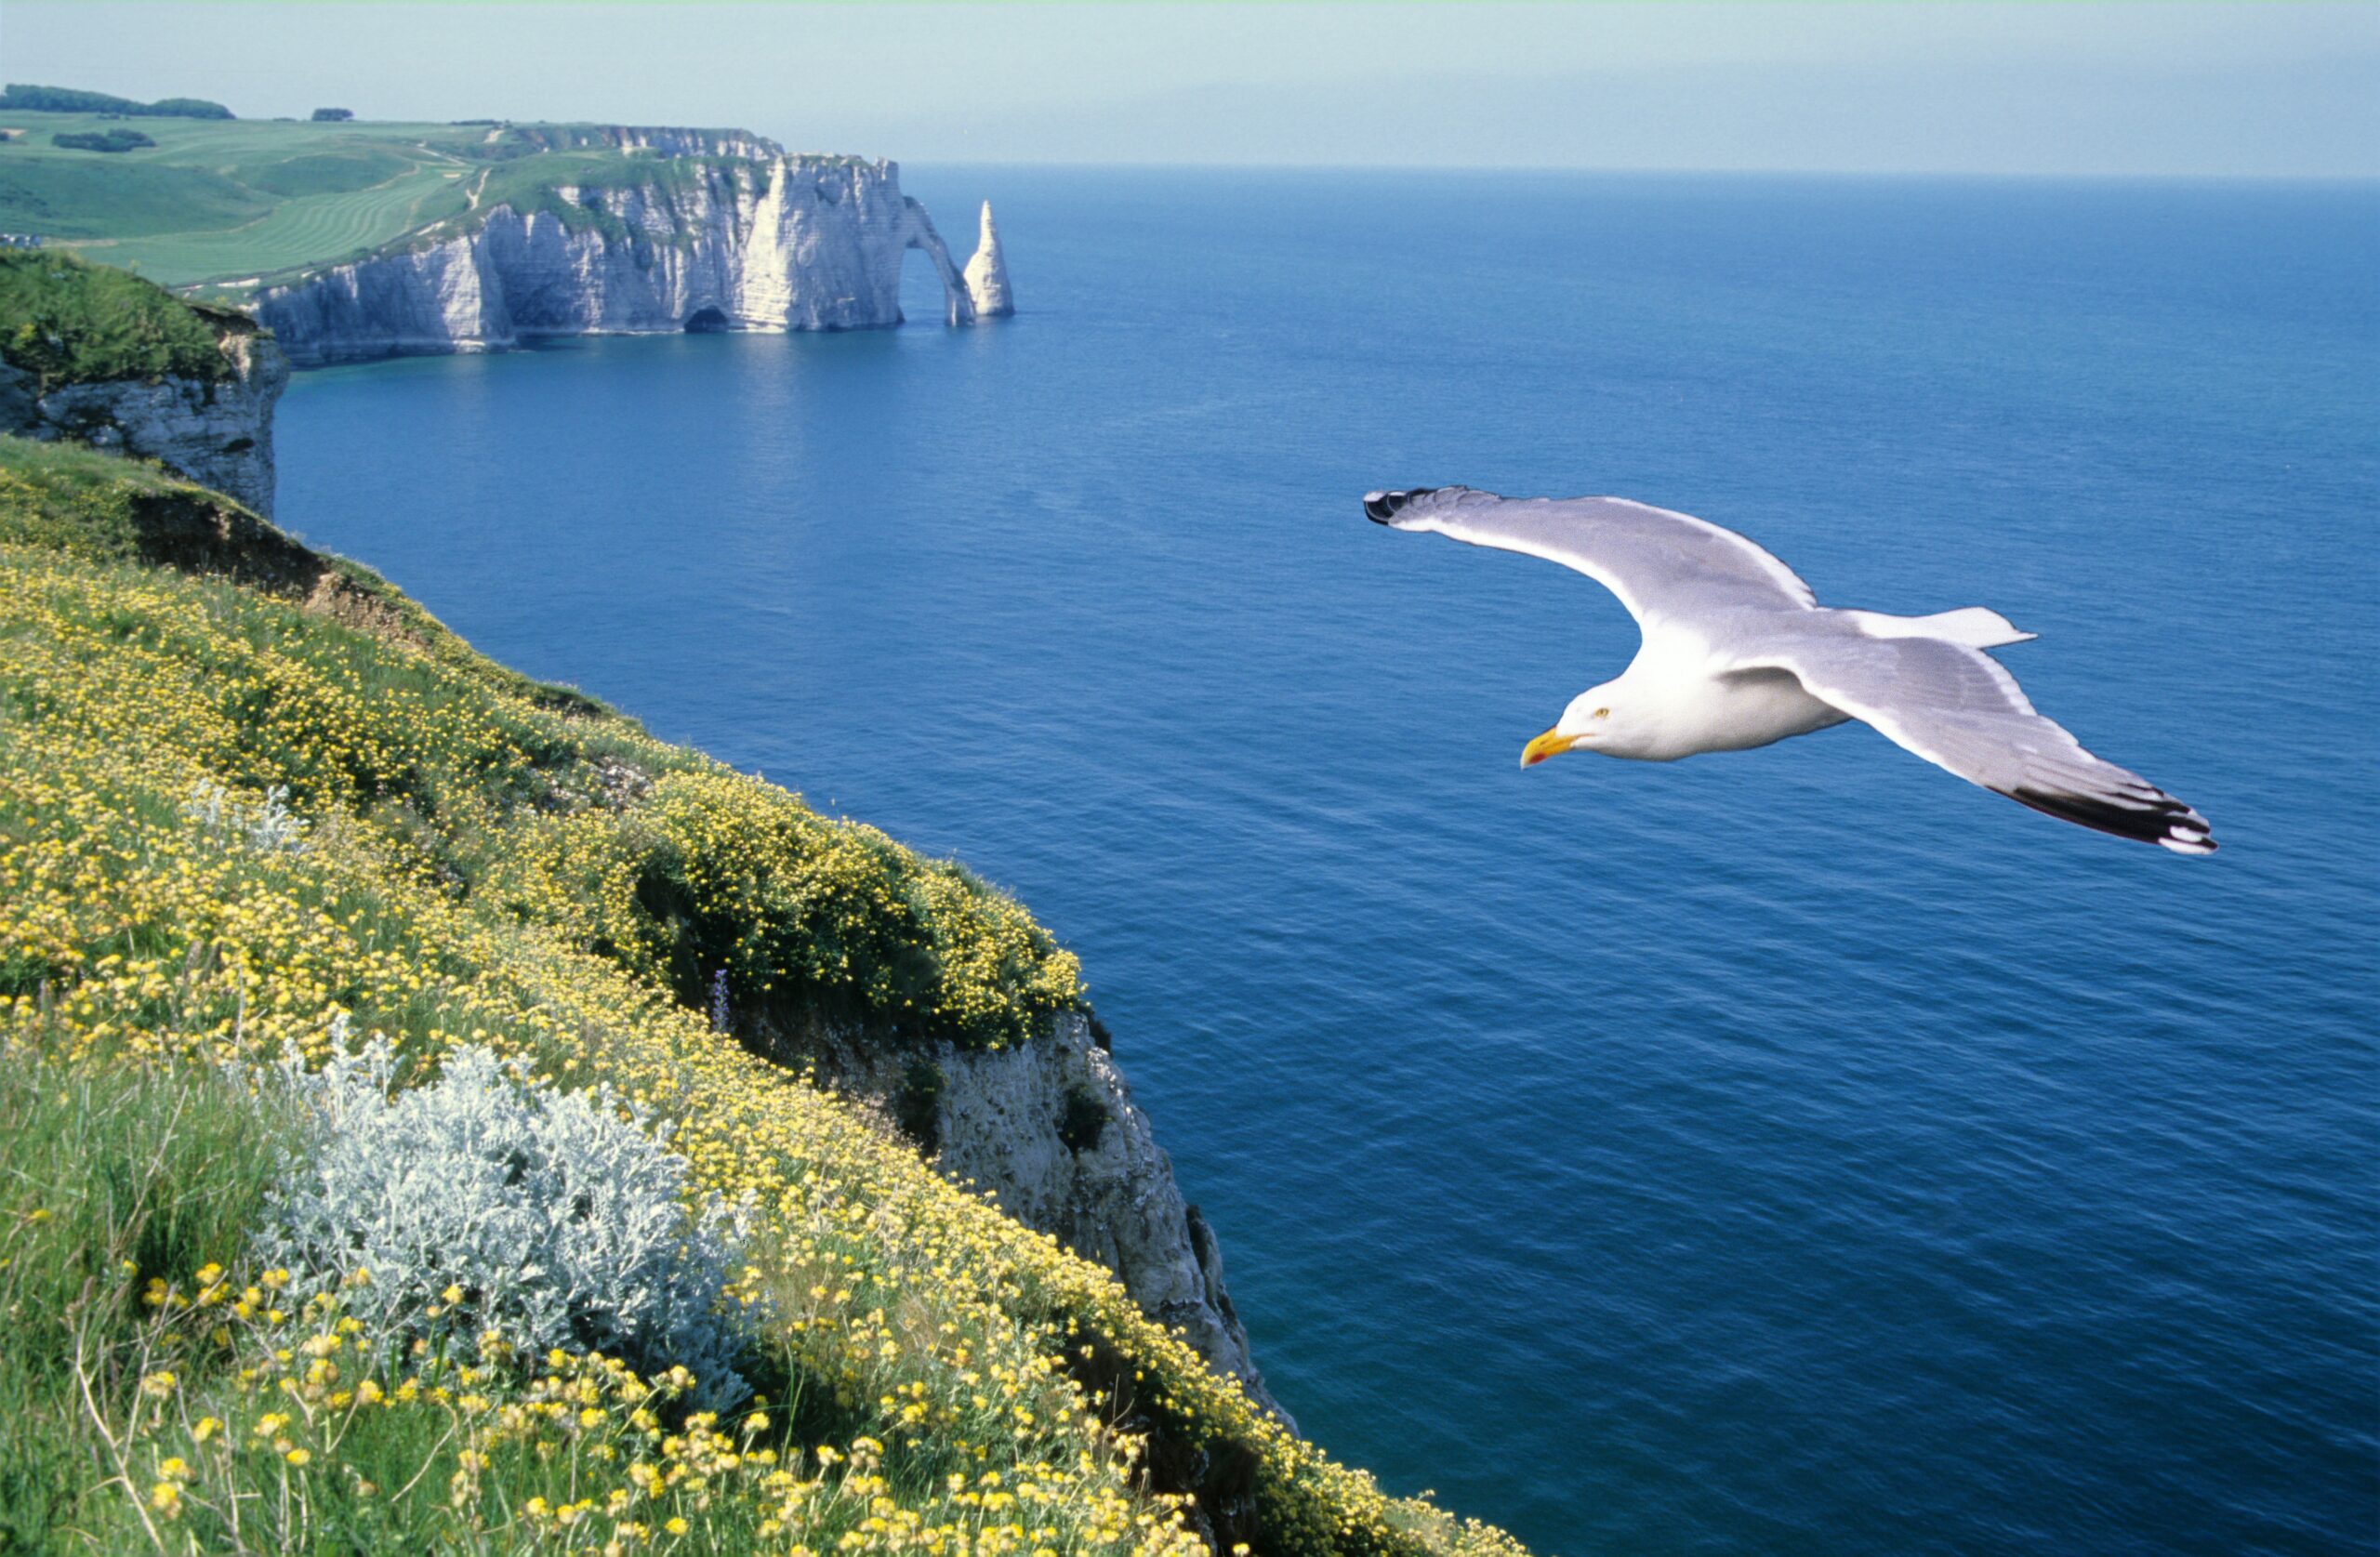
663,243
1050,1130
209,418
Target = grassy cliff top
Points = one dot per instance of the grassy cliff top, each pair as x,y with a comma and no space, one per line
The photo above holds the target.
67,322
228,201
468,856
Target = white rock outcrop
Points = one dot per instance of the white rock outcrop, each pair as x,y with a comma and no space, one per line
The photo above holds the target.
219,433
779,243
987,273
1050,1129
676,141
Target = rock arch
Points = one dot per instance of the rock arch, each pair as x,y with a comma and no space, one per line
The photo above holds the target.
959,308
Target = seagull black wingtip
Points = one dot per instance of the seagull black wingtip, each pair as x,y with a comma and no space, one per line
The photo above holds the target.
1381,506
2166,822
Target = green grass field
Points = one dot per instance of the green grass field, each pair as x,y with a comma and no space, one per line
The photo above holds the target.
225,201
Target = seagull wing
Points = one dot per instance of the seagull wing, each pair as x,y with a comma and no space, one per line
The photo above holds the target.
1662,565
1959,709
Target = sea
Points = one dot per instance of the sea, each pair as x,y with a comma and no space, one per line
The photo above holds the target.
1794,1151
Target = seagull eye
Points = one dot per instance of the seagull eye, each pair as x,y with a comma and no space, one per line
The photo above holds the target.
1603,713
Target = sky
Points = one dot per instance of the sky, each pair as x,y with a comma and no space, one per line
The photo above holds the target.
2125,89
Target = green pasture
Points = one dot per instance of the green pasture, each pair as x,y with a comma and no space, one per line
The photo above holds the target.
224,200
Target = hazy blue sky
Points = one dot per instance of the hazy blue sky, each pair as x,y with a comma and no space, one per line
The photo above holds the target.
2025,88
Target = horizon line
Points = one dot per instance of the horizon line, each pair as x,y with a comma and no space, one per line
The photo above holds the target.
2044,175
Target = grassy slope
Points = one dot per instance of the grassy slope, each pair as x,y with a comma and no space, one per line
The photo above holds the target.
224,200
502,862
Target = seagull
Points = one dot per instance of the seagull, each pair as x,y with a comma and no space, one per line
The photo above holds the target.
1737,652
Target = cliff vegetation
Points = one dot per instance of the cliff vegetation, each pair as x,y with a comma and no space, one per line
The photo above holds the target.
96,355
254,801
68,322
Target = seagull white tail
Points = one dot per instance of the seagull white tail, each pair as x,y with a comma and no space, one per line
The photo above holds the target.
1974,626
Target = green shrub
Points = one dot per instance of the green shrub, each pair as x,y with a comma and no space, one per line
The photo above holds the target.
66,321
186,108
102,140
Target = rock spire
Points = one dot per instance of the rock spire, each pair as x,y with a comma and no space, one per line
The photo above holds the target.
988,274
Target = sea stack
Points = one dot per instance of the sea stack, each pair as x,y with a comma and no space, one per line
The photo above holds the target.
988,274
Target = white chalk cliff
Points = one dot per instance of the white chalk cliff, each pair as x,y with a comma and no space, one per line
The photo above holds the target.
770,243
988,274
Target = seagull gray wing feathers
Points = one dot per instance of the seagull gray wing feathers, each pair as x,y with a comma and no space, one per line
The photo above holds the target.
1661,564
1961,710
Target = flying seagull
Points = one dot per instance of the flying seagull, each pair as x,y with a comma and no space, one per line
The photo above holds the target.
1737,652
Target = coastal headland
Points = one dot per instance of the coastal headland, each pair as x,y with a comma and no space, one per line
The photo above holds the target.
255,801
353,240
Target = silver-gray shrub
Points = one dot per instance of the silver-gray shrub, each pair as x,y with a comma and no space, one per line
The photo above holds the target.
562,1223
269,826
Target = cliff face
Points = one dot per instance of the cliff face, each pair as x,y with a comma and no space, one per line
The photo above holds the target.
1051,1130
771,243
218,432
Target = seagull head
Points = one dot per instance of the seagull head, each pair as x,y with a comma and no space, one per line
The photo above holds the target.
1586,722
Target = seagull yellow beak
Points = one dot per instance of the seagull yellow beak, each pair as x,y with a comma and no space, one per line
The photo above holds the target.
1552,744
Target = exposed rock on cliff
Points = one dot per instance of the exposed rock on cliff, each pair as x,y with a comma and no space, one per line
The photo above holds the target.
783,242
216,431
988,274
668,141
1050,1127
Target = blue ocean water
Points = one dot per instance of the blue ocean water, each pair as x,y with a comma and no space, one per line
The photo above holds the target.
1794,1151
